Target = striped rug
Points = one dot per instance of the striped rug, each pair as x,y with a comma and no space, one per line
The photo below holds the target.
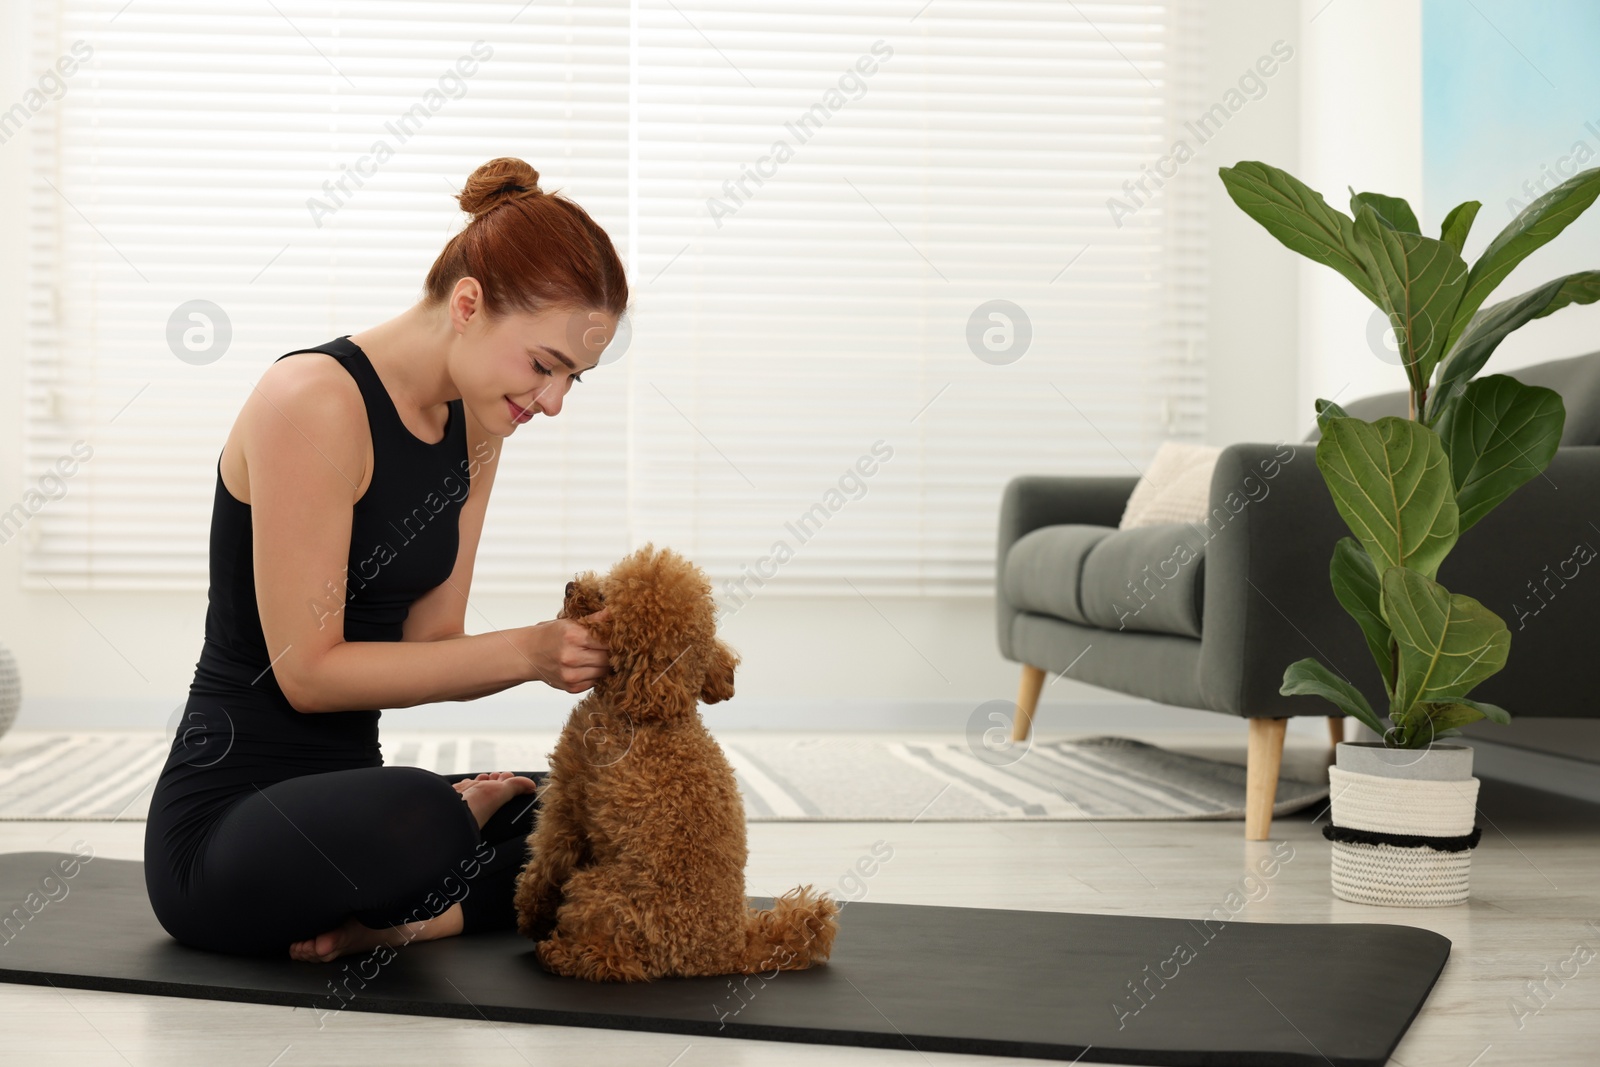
108,777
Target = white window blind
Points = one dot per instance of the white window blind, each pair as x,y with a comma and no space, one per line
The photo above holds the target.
812,199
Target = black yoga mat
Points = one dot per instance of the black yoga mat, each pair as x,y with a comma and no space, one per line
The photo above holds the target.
1097,988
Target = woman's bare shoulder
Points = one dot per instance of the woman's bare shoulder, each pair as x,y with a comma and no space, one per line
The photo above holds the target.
310,369
306,398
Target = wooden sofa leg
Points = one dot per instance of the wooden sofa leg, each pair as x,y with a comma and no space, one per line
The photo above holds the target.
1027,700
1265,757
1336,728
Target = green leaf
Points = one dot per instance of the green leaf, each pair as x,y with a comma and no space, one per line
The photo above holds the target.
1492,324
1430,721
1307,677
1392,211
1355,583
1580,288
1297,216
1327,409
1535,226
1458,224
1501,434
1448,642
1420,282
1493,712
1391,483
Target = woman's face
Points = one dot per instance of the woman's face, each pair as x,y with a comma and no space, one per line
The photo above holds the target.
515,366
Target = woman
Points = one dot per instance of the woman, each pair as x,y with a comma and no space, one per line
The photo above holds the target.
349,501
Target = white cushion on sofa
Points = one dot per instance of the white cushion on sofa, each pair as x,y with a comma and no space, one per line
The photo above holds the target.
1176,487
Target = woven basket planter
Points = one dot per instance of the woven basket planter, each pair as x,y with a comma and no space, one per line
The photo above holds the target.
1402,824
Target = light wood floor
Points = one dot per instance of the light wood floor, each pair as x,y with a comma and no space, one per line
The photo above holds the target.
1535,884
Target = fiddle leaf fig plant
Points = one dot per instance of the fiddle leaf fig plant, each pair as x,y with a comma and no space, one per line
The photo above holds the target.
1409,487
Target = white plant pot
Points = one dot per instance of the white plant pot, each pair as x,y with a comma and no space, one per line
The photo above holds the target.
1402,823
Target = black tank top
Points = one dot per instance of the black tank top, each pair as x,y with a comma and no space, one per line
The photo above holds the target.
238,728
403,538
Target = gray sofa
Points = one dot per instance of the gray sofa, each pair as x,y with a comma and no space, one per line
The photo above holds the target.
1209,616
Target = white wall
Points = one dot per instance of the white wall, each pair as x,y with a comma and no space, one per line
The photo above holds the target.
18,628
1361,126
104,659
1252,370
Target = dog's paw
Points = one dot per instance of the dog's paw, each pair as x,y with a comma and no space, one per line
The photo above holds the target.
572,960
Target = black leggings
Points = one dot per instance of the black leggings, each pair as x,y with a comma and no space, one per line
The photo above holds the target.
387,845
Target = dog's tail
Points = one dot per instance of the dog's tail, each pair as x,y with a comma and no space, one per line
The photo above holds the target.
796,932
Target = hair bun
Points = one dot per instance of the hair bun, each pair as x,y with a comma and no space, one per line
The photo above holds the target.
496,182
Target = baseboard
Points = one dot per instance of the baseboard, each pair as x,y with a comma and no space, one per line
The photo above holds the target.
548,711
1563,775
1575,778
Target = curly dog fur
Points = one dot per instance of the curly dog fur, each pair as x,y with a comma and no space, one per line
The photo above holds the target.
638,853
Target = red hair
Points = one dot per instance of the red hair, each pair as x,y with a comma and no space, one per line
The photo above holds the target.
529,250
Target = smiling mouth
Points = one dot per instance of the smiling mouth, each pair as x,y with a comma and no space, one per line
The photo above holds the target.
519,414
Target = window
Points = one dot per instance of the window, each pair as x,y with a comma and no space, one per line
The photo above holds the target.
873,270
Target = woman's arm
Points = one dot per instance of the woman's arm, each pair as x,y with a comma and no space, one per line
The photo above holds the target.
403,674
306,465
440,614
475,694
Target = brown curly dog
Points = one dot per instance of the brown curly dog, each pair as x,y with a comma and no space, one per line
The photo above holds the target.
638,852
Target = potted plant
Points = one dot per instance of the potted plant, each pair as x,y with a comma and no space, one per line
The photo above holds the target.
1403,808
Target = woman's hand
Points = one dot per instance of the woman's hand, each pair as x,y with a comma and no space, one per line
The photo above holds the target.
464,784
566,655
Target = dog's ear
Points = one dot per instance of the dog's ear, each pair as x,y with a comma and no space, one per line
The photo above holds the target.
582,597
718,684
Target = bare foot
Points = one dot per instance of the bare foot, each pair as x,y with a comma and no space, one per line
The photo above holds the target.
488,792
352,936
324,948
484,795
